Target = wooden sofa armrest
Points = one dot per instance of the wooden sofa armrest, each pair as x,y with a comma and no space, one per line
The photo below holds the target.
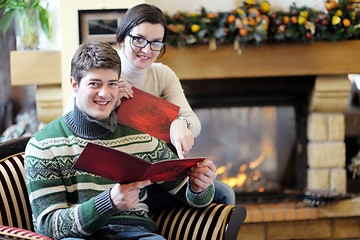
216,221
236,220
7,232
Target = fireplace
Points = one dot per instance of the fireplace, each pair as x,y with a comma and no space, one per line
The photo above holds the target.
260,77
254,130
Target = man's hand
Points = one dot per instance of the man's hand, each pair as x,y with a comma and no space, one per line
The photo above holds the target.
181,137
202,175
126,196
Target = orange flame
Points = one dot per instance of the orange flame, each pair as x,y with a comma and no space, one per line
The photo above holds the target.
257,161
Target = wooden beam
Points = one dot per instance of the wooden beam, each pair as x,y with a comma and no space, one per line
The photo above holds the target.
286,59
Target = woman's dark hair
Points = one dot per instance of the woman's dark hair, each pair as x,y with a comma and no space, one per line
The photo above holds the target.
139,14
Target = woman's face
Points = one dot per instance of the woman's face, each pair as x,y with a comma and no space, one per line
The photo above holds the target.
143,57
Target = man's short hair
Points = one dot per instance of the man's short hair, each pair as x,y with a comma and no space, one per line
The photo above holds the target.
94,55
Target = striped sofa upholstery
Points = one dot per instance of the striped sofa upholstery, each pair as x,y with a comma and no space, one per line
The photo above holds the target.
15,213
217,221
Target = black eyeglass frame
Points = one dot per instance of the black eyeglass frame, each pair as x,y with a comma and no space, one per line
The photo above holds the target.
132,37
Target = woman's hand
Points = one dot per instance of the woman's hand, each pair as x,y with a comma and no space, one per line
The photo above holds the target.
126,196
181,137
125,89
202,176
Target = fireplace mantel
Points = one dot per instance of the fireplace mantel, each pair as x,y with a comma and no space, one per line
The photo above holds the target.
319,58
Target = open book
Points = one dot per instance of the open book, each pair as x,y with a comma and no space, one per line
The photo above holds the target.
122,167
148,114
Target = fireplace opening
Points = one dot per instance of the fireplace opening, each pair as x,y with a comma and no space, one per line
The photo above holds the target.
253,147
254,129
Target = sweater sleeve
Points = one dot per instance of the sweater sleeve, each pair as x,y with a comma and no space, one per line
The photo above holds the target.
49,193
172,91
201,199
180,189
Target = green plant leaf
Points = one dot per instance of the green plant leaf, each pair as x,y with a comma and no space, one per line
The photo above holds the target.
35,4
10,7
6,20
44,21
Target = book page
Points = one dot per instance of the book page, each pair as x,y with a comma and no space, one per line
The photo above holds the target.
148,114
122,167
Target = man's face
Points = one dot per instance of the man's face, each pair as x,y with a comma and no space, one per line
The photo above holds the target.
97,93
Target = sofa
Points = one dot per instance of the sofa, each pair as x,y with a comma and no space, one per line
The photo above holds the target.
217,221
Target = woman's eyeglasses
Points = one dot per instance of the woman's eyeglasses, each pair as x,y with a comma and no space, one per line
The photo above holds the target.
142,42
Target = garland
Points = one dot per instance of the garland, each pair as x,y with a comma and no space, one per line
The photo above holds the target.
254,23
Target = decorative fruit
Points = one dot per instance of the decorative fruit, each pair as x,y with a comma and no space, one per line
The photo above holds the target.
301,20
250,2
338,13
335,20
265,7
286,19
231,18
331,4
294,20
195,28
243,32
346,22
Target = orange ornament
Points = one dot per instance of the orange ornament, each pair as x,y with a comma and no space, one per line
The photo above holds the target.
331,4
252,21
212,15
254,12
231,19
346,22
294,20
173,28
286,19
243,32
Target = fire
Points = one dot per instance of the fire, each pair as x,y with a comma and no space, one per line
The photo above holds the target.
251,174
246,172
257,161
221,170
237,181
243,168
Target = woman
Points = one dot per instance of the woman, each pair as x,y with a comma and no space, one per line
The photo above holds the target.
142,39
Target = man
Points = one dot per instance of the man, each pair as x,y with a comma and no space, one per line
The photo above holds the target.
71,204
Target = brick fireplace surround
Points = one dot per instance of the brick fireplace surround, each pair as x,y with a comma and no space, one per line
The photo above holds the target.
325,150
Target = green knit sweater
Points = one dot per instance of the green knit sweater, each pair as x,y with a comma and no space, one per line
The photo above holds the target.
70,203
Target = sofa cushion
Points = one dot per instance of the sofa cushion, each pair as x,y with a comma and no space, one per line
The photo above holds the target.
15,209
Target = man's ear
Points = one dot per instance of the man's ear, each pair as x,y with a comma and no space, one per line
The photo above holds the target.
74,84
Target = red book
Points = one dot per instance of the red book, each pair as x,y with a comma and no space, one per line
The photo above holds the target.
148,114
122,167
